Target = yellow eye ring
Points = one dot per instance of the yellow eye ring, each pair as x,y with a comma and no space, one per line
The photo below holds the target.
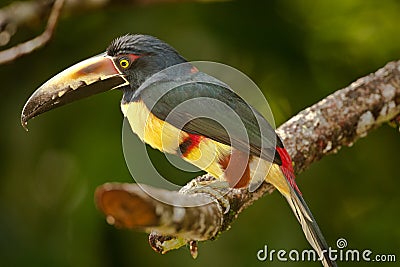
124,63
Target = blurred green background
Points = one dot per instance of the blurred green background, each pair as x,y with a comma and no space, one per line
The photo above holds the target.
296,51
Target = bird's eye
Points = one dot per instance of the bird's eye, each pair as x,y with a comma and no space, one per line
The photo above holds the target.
124,63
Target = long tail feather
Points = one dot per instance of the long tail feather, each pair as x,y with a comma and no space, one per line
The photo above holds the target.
285,183
310,227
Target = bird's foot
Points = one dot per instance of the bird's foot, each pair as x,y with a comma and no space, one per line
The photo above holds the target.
217,189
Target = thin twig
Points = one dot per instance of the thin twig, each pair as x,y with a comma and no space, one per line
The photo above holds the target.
37,42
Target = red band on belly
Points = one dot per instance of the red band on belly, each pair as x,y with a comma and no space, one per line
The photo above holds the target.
236,169
189,143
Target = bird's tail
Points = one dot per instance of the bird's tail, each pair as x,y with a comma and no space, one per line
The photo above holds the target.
310,226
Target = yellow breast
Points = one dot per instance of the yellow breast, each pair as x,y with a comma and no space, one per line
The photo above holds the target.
151,130
207,155
163,136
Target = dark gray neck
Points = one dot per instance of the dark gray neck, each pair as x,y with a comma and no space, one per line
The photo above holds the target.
147,66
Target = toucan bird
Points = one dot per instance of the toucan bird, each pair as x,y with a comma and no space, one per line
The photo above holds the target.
142,67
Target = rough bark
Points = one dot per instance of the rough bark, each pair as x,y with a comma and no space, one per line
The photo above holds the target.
337,120
343,117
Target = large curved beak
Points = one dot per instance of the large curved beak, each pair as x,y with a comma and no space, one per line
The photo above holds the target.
91,76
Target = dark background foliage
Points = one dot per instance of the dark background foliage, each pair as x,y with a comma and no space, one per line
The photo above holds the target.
296,51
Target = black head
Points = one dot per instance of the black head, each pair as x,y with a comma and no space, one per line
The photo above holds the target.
140,56
127,63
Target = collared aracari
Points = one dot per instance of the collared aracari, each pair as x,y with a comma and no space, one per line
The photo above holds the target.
127,64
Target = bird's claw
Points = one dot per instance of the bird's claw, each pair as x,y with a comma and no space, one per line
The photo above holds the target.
217,189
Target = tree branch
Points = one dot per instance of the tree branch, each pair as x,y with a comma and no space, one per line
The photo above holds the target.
338,120
343,117
37,42
25,13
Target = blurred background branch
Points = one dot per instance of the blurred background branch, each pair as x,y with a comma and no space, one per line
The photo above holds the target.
338,120
17,11
21,14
